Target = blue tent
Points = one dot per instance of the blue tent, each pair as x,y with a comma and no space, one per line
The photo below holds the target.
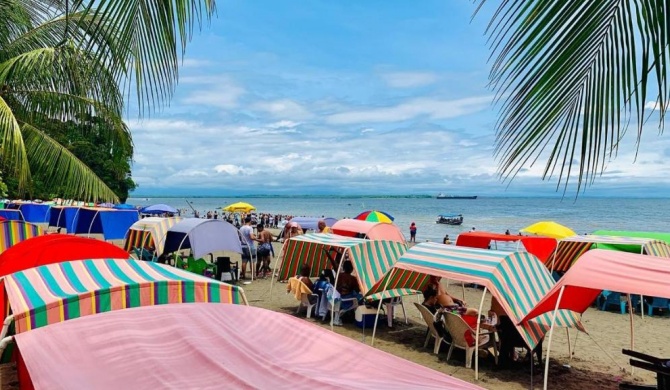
310,223
159,209
11,215
63,217
35,212
112,224
124,206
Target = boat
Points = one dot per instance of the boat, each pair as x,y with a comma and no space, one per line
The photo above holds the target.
450,219
443,196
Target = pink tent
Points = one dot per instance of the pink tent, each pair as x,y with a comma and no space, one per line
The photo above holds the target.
216,346
370,230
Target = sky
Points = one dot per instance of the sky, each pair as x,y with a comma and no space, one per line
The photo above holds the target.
348,97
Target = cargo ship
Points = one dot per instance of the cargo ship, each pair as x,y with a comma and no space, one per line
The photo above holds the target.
443,196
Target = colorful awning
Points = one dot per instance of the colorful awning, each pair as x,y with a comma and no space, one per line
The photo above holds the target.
13,232
149,233
517,279
541,247
371,259
58,292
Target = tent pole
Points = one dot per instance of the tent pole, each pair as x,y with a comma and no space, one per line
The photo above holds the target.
553,257
479,320
274,270
90,227
5,326
641,297
374,330
574,347
551,333
337,277
567,332
632,330
179,247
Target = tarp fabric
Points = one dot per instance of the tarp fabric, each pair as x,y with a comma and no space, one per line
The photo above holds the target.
200,346
35,213
371,230
665,237
64,217
55,248
159,209
600,269
13,232
541,247
11,215
202,236
371,258
112,224
59,292
309,223
517,279
149,233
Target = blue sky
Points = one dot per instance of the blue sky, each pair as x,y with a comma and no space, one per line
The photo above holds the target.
346,97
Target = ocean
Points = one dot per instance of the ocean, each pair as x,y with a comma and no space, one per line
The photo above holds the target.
583,215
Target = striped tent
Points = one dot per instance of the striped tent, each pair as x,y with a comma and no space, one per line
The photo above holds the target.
149,233
571,248
13,232
517,279
59,292
371,259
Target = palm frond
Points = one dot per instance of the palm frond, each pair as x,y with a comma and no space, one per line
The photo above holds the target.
60,166
12,149
571,75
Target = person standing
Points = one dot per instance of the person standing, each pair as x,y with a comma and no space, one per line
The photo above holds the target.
264,250
248,246
446,240
412,232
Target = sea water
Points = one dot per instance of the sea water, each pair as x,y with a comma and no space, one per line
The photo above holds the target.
583,215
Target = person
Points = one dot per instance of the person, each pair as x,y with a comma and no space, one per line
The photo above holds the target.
412,232
322,227
430,299
347,284
449,302
507,233
446,240
305,271
248,247
473,229
263,252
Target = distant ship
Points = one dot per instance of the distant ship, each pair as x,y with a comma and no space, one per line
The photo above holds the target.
443,196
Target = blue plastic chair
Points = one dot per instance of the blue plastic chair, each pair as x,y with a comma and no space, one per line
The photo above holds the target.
609,298
657,303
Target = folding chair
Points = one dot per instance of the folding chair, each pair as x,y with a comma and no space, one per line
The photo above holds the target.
429,318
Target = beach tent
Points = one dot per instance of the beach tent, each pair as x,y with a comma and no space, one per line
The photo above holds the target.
311,223
549,229
665,237
202,236
55,248
599,270
55,293
159,209
541,247
370,230
35,212
63,217
200,346
13,232
149,233
570,249
112,224
124,206
518,280
11,214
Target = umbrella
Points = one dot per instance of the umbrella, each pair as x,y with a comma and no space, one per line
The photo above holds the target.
549,229
375,216
107,205
124,206
239,207
158,209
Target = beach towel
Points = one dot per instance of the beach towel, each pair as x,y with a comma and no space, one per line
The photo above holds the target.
297,288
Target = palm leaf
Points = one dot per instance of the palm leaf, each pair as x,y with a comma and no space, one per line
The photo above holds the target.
11,145
571,75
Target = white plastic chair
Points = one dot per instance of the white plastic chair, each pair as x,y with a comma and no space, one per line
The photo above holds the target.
390,306
456,326
304,297
430,323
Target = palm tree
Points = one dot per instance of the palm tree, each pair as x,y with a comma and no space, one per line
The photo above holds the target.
63,60
571,75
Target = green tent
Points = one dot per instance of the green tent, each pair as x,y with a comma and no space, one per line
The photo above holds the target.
665,237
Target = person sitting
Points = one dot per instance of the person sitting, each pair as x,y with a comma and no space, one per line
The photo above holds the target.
322,227
448,302
305,271
430,299
347,284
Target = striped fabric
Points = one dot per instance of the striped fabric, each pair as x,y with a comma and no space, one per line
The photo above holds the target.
371,259
58,292
517,279
571,248
13,232
149,233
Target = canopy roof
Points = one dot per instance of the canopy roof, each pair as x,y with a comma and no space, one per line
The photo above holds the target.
371,259
13,232
202,346
11,214
58,292
541,247
310,223
570,249
665,237
35,212
202,236
159,209
149,233
549,229
599,270
371,230
517,279
450,215
112,224
55,248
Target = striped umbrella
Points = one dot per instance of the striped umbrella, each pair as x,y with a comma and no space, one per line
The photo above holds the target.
13,232
517,279
375,216
59,292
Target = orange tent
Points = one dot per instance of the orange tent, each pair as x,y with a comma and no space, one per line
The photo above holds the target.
370,230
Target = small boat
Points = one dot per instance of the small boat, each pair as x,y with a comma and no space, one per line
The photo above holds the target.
450,219
443,196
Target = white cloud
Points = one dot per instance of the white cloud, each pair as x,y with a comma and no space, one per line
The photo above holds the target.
367,130
283,108
229,169
432,108
284,125
195,63
409,79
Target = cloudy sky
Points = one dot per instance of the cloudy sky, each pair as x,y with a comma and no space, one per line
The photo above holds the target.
346,97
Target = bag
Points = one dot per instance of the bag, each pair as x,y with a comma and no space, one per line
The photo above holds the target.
264,249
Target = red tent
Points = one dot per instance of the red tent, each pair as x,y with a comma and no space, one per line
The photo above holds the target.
369,230
541,247
55,248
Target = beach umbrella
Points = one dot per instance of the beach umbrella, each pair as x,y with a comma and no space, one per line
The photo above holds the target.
124,206
549,229
375,216
107,205
239,207
158,209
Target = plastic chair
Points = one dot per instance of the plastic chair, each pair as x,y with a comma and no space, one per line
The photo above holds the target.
429,318
390,310
338,310
457,327
657,303
609,298
309,300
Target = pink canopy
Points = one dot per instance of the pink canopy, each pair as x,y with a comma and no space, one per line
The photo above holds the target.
199,346
599,270
371,230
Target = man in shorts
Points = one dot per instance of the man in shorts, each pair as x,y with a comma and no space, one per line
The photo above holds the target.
248,245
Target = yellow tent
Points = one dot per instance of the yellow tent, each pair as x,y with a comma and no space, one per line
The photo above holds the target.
239,207
549,229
